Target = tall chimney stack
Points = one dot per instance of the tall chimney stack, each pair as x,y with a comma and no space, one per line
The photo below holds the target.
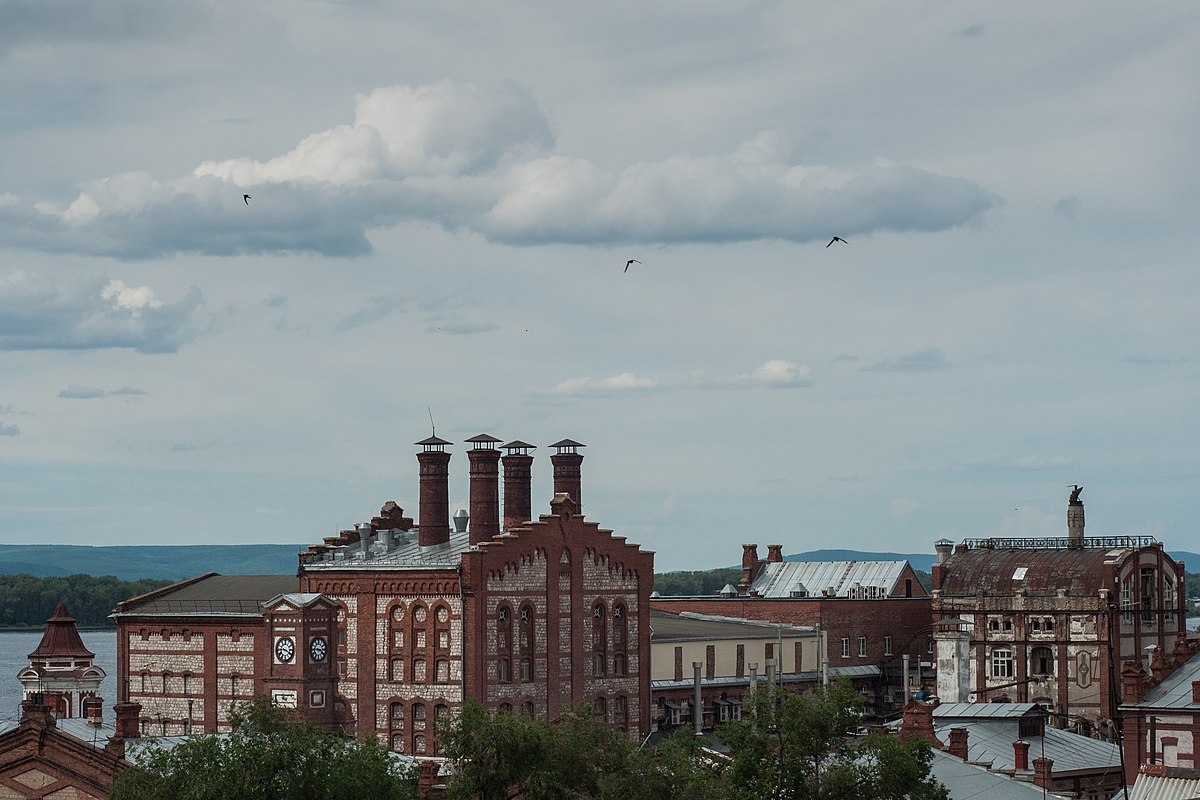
518,483
774,553
750,564
485,488
1075,519
433,527
567,461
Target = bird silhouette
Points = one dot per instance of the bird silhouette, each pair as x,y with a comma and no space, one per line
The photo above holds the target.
837,239
631,261
246,199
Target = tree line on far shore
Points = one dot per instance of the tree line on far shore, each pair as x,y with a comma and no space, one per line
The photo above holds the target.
27,602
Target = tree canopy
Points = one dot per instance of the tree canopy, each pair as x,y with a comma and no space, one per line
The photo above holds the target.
270,754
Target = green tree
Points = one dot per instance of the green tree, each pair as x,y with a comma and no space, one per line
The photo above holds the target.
270,754
800,747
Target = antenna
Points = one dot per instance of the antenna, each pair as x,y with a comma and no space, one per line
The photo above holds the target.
432,427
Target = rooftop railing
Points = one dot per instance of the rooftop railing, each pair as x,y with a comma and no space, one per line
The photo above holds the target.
1061,543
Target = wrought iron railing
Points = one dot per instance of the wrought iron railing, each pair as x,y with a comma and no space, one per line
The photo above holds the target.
1060,543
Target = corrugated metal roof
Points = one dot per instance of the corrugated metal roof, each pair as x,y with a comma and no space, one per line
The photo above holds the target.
218,594
1176,690
781,578
1165,787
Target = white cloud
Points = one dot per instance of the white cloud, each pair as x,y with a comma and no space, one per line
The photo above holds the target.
593,387
38,313
9,430
780,374
473,157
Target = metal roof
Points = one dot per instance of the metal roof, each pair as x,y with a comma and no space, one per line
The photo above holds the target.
1174,784
781,578
406,553
947,711
993,571
971,780
225,595
1176,689
990,741
668,627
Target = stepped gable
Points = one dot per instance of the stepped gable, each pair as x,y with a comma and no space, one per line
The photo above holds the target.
61,639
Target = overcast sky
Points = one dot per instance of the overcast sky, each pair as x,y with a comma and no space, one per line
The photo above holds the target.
443,200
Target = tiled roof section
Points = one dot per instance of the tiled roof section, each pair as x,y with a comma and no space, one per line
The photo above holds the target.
394,550
1080,572
667,627
240,595
782,578
61,639
1176,689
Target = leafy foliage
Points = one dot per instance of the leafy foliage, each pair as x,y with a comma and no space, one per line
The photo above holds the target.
702,582
29,601
270,754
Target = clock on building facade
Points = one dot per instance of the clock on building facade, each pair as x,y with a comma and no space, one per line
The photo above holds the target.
285,649
317,649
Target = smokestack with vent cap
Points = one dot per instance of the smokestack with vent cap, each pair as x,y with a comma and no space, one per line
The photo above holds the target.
433,527
567,461
485,488
518,483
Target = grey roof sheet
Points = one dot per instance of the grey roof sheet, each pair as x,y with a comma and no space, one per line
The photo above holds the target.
668,627
406,553
991,741
947,711
970,780
218,594
780,578
1176,690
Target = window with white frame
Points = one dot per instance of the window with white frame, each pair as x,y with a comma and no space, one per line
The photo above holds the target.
845,647
887,645
1002,662
862,646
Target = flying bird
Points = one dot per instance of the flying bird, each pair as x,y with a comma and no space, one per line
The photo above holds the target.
837,239
246,199
631,261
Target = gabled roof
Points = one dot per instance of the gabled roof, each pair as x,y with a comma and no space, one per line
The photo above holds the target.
1176,689
781,578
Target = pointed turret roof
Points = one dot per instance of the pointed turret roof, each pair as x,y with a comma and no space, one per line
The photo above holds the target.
61,639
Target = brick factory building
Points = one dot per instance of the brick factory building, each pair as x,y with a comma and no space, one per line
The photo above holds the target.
1051,620
390,625
869,615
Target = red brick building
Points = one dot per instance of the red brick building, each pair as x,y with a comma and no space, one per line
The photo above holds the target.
390,625
868,614
1160,709
1044,617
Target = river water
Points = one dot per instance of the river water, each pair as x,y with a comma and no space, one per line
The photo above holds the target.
14,656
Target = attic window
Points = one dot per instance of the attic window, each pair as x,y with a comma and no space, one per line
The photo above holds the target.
1019,573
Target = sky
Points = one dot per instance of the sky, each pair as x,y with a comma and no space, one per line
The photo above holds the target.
443,199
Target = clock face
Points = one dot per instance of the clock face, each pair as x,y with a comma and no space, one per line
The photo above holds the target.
285,649
317,648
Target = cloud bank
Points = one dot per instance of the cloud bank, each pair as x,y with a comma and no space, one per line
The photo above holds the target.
37,313
478,158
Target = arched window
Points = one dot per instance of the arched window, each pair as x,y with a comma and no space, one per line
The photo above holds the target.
1002,662
505,708
619,664
527,709
398,742
528,636
442,671
418,716
600,708
526,668
504,644
1041,661
418,670
419,744
166,677
599,639
397,726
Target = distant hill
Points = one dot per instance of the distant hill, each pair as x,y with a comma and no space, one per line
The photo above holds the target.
165,562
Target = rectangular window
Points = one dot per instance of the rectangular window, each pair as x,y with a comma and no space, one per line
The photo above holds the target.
1002,663
845,647
1148,594
862,646
887,645
1127,599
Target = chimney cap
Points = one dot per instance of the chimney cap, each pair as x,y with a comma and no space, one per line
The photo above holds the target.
433,443
567,445
517,447
484,442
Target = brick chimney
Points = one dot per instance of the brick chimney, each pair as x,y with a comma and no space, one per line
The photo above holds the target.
958,743
34,711
567,461
485,488
918,724
750,564
1133,682
433,525
518,483
127,727
1043,773
774,553
93,711
1021,755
